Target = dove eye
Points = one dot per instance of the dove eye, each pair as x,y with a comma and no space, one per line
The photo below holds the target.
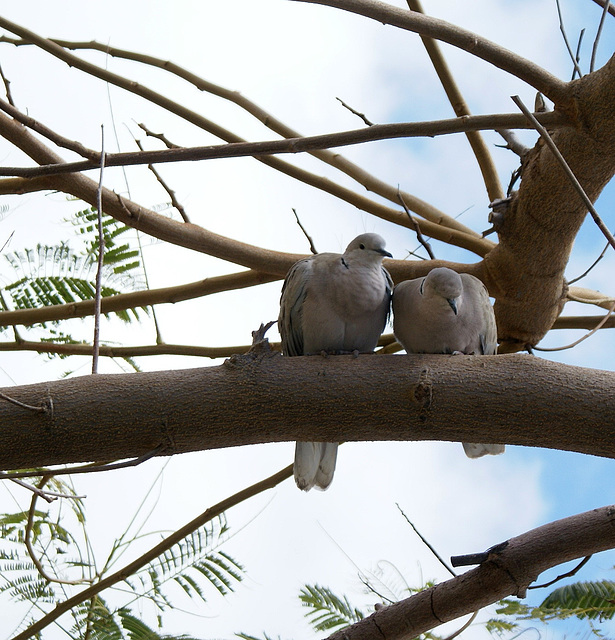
361,246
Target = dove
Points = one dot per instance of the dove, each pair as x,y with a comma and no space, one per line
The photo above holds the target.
446,312
333,303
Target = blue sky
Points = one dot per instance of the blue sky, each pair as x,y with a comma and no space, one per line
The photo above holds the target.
294,60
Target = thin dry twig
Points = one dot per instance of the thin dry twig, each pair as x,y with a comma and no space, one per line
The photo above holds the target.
544,134
587,335
417,229
174,201
160,548
30,547
597,38
356,113
610,7
596,261
566,41
93,467
305,233
426,542
101,256
577,55
7,87
159,136
23,405
568,574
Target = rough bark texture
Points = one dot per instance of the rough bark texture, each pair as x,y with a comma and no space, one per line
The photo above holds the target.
514,399
507,572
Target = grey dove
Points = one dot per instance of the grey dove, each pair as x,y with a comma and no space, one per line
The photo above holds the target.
446,312
333,303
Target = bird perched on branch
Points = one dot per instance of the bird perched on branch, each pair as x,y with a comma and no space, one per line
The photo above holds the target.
334,304
446,312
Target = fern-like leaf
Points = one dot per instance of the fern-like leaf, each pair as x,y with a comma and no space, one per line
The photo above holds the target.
583,600
327,610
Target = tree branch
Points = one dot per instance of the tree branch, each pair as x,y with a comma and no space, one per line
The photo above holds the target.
507,572
555,89
385,398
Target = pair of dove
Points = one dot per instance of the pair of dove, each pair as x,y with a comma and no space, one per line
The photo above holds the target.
340,303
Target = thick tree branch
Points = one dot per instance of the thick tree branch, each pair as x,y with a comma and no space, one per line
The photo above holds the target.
506,572
253,399
528,71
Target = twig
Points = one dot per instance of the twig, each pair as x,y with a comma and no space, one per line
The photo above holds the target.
7,87
461,629
569,574
597,38
29,407
566,42
587,335
160,548
547,138
101,257
84,468
356,113
49,496
577,55
29,546
305,233
512,142
174,201
159,136
596,261
417,229
425,542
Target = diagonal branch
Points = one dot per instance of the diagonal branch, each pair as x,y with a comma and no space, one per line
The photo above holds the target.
554,88
481,152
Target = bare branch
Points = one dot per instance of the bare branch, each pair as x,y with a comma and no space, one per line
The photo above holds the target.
101,257
292,145
562,29
534,75
160,548
610,7
597,38
417,229
305,233
356,113
481,152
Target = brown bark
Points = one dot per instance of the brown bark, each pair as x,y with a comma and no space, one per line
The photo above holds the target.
507,572
250,399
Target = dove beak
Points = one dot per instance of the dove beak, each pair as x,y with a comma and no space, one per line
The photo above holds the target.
384,253
453,303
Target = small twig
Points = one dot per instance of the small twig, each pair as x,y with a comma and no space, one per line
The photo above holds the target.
30,547
356,113
305,233
83,468
158,136
49,496
597,38
578,52
174,201
426,543
478,558
563,32
417,229
512,142
544,134
587,335
570,573
7,87
23,405
101,257
461,629
596,261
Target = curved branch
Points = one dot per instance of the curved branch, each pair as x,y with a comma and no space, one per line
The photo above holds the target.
554,88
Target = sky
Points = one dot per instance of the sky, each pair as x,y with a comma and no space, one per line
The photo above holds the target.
294,60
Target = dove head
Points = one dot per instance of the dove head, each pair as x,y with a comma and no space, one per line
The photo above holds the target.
446,284
369,245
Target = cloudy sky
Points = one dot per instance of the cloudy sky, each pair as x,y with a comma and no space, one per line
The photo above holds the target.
294,60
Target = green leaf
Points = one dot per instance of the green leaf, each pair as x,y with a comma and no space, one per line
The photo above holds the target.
584,600
328,610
